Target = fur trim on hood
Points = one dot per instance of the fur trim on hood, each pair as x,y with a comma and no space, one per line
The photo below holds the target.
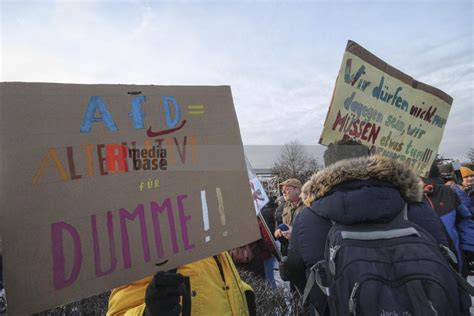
364,168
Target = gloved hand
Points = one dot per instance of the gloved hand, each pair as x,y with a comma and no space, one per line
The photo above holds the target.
162,295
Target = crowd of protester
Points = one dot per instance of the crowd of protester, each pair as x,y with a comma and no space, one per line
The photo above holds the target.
297,229
354,189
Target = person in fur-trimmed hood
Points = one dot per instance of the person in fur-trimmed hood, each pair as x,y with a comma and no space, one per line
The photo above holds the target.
351,191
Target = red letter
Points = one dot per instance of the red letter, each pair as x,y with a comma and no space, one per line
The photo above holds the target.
374,133
366,129
339,120
113,157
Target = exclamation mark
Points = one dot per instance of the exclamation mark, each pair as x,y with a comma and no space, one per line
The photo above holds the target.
205,214
220,202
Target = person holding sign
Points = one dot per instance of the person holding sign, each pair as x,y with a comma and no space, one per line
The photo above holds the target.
211,286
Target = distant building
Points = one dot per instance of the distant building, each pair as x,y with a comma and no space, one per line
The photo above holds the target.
264,172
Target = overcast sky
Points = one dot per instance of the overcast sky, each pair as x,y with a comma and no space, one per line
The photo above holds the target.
280,58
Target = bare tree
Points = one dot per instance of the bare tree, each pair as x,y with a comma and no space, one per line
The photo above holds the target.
470,155
295,162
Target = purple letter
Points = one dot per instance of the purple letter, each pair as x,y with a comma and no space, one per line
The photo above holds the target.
183,219
59,275
95,237
155,208
124,215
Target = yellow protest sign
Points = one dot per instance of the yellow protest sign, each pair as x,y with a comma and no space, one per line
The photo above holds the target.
387,110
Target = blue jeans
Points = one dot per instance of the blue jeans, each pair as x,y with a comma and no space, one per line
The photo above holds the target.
269,265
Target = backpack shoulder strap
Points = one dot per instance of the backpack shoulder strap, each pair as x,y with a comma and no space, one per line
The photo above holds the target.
463,282
450,256
315,277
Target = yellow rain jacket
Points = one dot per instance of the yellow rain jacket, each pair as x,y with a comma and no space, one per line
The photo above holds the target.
213,285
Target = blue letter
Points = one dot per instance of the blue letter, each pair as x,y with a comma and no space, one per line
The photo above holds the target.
348,77
137,114
377,90
169,122
94,104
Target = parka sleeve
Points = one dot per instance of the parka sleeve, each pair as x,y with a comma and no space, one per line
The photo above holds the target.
465,223
249,297
308,239
136,311
122,304
128,300
420,214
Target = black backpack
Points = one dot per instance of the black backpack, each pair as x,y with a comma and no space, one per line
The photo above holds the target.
394,268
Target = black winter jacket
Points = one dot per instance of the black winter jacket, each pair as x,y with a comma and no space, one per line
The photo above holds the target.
359,190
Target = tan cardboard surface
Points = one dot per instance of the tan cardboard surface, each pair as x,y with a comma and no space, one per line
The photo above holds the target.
72,227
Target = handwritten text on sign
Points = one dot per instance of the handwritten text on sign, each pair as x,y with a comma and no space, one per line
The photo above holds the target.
386,113
115,183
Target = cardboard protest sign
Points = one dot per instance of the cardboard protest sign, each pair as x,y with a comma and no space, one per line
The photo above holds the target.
395,115
101,182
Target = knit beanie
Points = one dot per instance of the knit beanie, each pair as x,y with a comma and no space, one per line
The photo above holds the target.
465,172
